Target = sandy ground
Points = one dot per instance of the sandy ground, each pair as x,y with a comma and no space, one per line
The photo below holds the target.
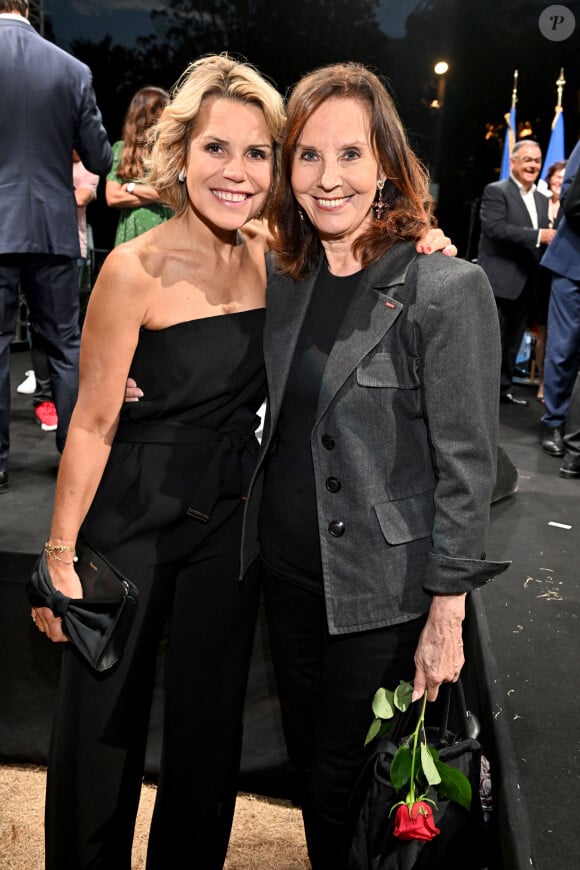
267,834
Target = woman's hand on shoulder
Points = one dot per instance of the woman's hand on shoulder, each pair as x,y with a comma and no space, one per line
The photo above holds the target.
258,232
433,240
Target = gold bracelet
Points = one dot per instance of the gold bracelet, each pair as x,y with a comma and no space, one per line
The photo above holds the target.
51,551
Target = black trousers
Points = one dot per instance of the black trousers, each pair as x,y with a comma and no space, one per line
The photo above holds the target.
49,284
98,743
513,318
326,685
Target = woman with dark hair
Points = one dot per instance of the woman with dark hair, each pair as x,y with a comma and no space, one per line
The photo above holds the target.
127,187
378,458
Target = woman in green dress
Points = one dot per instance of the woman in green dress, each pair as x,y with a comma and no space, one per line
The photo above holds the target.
127,188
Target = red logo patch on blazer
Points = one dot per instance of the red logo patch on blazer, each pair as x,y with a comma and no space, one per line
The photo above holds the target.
390,304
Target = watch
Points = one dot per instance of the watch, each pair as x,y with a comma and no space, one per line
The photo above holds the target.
130,187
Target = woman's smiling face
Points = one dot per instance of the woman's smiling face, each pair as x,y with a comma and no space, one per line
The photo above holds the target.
334,171
229,166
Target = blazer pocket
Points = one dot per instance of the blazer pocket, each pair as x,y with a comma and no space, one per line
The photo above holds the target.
406,519
379,370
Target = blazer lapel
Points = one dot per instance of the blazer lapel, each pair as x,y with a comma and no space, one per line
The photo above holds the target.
368,318
286,305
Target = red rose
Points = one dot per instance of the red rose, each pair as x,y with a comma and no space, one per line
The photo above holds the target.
415,822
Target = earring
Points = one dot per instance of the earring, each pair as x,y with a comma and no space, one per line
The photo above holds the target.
182,176
379,206
301,214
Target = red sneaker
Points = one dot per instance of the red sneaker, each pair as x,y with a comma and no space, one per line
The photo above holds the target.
46,415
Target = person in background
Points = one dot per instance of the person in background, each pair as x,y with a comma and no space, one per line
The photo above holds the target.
159,488
370,502
126,187
563,345
554,178
514,224
48,107
85,185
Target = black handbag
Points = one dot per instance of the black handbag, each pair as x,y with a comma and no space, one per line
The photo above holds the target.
460,841
97,624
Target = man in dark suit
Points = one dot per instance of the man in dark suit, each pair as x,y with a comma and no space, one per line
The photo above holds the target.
48,108
514,227
563,345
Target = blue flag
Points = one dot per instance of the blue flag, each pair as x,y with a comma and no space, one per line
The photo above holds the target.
508,143
555,150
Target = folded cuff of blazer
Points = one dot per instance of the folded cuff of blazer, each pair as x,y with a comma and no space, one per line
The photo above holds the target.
449,576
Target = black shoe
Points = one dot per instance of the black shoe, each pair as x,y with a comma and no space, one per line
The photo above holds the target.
570,467
4,482
553,441
509,398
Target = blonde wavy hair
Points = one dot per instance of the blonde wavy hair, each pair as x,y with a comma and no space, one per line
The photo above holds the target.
214,75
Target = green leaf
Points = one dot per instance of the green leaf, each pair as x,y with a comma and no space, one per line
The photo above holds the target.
385,727
454,784
373,730
383,704
402,695
429,767
401,767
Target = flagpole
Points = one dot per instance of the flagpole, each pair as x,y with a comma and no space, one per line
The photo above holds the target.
560,85
515,90
510,131
556,147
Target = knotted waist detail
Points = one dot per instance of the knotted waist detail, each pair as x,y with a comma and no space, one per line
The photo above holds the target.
223,474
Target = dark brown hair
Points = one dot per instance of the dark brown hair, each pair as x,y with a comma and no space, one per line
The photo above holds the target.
144,110
406,190
20,6
555,167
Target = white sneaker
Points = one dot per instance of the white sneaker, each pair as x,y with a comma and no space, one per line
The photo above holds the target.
28,385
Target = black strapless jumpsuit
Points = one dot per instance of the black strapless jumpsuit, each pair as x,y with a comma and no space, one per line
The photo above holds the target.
168,513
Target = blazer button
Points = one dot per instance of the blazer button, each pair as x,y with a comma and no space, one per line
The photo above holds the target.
336,528
333,484
328,442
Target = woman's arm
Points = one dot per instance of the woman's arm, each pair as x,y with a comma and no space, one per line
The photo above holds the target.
118,196
114,316
460,391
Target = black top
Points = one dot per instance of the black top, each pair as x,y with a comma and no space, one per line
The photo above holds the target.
190,441
289,538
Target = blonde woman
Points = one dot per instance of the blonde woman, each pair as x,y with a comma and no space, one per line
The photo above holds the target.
158,488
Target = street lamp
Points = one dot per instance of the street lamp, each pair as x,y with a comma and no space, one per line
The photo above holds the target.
440,69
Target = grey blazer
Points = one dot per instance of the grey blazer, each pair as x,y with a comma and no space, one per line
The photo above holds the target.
47,108
508,251
407,422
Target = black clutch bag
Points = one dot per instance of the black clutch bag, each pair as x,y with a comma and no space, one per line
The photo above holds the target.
97,624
